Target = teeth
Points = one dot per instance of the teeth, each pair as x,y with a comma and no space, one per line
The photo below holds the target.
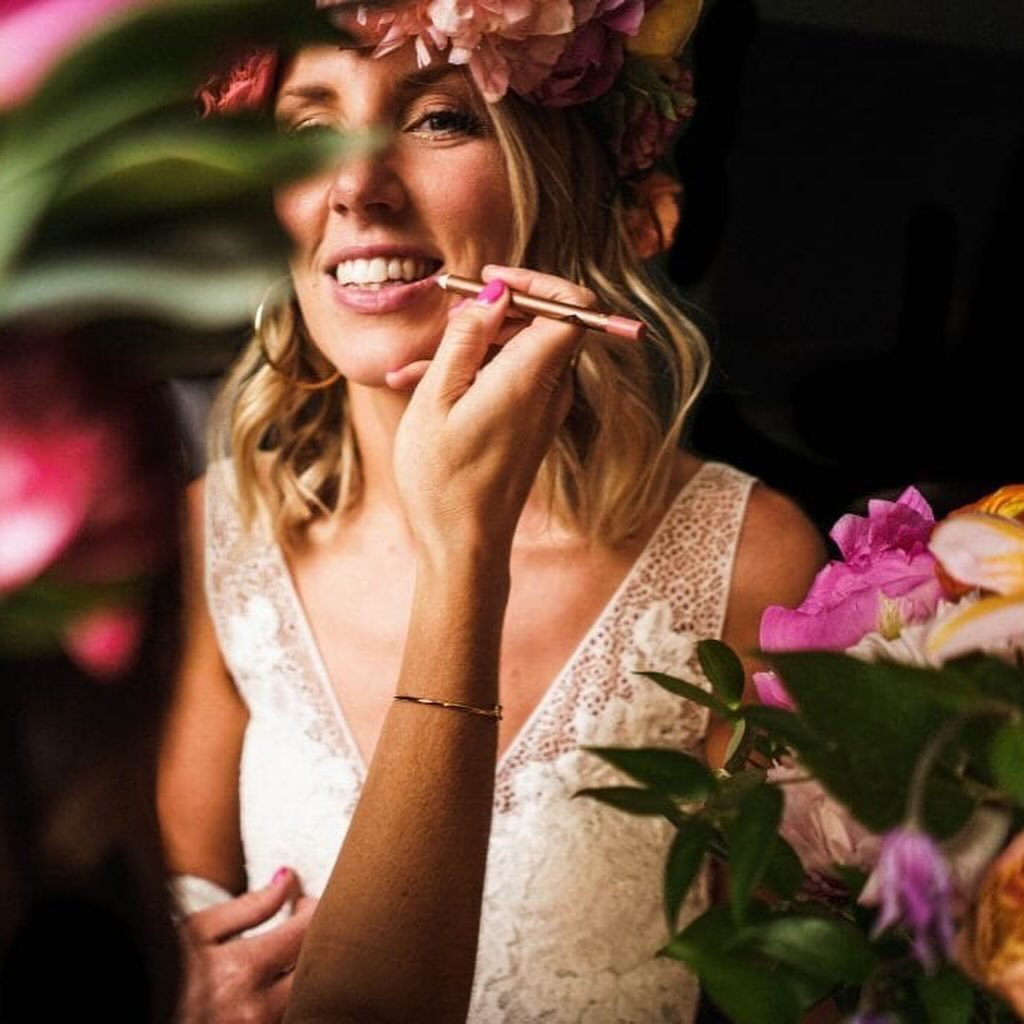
380,270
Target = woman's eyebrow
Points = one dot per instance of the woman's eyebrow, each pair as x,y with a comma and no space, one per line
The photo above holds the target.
314,93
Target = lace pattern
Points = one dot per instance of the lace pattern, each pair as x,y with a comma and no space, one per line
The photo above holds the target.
572,913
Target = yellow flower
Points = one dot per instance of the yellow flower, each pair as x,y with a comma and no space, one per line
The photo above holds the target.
986,552
665,30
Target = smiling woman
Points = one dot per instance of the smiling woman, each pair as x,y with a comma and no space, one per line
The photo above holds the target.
435,501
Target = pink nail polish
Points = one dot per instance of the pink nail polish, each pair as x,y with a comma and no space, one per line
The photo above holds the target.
492,292
280,876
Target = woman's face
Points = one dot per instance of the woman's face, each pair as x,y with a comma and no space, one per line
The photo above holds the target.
369,236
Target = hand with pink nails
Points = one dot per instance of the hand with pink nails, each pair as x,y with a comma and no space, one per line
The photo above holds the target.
233,977
476,430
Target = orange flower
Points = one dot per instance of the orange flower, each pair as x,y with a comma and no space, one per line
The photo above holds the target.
992,943
1008,502
651,222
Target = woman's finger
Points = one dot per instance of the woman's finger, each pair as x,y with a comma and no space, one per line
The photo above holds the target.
471,329
215,924
540,285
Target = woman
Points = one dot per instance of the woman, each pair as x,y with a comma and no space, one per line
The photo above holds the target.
318,532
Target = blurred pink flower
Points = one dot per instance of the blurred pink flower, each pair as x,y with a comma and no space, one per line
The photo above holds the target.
103,642
246,84
48,482
819,828
885,580
35,34
771,691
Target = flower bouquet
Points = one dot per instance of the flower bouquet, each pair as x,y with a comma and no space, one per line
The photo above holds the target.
869,816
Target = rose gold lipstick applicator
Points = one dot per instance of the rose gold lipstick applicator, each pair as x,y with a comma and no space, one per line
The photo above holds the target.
606,323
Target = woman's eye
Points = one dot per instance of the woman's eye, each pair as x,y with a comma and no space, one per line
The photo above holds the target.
448,122
309,127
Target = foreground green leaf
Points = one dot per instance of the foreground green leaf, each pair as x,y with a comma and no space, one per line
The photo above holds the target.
691,692
751,837
827,948
685,856
665,771
723,669
633,800
1007,758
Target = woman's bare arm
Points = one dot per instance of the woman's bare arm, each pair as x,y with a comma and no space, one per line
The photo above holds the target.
394,937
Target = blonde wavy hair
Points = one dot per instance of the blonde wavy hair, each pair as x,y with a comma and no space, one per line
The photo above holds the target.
609,473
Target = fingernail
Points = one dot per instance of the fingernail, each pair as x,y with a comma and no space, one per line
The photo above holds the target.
280,876
492,292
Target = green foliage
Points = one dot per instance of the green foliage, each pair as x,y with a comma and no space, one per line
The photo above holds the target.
119,203
886,740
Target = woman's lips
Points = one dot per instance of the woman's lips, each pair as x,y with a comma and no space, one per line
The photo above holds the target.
389,297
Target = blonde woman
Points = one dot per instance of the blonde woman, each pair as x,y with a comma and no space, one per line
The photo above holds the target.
508,518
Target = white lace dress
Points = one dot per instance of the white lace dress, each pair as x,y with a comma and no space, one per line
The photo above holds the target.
572,913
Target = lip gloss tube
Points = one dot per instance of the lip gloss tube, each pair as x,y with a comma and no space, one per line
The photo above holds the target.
606,323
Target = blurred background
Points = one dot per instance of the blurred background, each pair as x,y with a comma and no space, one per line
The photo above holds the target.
854,210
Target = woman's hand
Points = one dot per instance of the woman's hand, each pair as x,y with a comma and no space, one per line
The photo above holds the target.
476,431
230,978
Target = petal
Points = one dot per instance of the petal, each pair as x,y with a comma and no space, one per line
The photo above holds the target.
994,623
104,642
982,550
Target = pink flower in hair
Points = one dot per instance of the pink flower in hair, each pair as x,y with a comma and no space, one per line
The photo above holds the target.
588,66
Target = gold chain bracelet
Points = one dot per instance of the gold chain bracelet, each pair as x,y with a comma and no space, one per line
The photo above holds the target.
470,709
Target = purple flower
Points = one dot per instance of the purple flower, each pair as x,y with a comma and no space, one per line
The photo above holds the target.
913,886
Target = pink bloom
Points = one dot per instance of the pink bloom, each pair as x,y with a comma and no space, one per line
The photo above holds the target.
34,35
104,642
594,56
819,828
886,580
48,484
771,691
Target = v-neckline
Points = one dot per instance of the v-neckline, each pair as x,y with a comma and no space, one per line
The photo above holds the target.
307,638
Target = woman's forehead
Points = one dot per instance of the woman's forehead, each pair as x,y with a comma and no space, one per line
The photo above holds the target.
338,69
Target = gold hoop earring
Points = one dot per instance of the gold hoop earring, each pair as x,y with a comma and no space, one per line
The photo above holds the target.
293,379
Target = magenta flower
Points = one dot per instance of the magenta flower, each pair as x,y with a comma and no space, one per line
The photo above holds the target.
104,642
885,580
913,885
771,691
588,65
35,34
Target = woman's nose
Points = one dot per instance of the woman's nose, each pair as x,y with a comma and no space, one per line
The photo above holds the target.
367,185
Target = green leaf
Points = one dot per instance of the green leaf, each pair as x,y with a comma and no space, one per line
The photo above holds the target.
129,284
784,874
947,996
664,771
1007,758
735,749
723,669
779,723
633,800
691,692
827,948
743,989
685,856
751,837
868,724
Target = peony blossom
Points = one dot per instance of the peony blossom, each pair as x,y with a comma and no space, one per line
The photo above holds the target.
36,34
991,945
884,581
913,886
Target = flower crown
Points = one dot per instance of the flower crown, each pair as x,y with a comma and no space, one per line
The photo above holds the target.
556,53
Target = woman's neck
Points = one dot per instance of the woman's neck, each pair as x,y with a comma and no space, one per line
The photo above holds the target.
375,414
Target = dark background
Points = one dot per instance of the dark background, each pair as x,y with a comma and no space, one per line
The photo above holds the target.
854,213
